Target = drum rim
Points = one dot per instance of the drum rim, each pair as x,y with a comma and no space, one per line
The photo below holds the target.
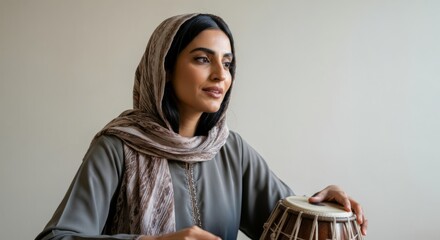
326,216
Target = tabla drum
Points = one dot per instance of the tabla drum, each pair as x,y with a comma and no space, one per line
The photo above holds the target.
296,219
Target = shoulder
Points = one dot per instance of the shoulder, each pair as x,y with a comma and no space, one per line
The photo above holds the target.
237,145
105,152
234,142
108,145
106,141
234,137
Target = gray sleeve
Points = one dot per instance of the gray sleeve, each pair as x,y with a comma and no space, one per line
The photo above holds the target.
83,212
262,190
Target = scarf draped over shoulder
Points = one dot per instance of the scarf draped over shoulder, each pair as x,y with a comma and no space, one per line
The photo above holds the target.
145,201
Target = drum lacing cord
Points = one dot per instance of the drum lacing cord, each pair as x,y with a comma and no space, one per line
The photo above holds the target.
279,227
350,229
268,224
356,234
334,236
297,226
358,231
314,228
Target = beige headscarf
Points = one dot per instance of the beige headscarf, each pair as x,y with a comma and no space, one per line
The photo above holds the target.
145,204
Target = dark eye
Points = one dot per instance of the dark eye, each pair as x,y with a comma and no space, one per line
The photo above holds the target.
202,59
227,64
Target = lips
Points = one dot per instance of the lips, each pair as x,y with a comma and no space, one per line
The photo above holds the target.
214,92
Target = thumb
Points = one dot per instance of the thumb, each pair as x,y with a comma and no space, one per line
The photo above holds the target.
317,197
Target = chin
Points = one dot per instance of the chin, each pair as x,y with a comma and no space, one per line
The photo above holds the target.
212,109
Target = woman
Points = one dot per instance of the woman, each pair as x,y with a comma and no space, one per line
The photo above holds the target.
170,168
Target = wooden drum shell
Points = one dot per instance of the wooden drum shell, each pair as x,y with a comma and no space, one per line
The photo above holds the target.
281,225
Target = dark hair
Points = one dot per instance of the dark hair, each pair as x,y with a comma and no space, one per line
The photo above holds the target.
186,33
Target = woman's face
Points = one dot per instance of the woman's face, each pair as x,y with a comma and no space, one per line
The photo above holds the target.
201,76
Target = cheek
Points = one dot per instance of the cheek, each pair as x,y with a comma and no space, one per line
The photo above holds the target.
183,80
180,88
190,77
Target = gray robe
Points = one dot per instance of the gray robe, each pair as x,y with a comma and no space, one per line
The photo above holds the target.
234,191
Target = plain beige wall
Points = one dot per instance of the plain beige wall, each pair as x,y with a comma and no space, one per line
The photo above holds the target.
329,92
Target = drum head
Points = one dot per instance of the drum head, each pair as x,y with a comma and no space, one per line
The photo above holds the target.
324,209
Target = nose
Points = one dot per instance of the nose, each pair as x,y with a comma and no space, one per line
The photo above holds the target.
219,72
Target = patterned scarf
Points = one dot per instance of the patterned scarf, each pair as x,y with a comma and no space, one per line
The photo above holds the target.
145,203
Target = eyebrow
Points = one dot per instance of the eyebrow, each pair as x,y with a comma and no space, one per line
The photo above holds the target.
210,51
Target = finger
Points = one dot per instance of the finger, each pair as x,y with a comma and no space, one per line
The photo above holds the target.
357,209
318,197
342,198
360,216
191,233
364,226
199,233
332,193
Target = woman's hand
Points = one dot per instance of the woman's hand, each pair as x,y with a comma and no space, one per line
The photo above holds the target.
191,233
335,193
